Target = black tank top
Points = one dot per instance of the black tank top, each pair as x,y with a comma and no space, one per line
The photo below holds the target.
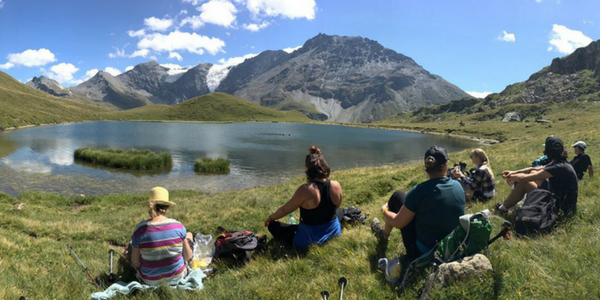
324,212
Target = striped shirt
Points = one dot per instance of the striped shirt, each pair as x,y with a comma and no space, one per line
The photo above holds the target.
161,248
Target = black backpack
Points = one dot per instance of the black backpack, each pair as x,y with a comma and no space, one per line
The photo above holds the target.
538,214
238,244
352,215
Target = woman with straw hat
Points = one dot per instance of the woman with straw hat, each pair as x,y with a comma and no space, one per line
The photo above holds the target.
161,246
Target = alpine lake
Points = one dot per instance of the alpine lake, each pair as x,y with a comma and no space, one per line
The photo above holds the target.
41,158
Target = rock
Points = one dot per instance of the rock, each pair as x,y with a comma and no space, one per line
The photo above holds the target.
543,121
513,116
20,206
477,265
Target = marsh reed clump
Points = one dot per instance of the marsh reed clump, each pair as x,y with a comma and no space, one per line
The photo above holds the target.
131,159
208,165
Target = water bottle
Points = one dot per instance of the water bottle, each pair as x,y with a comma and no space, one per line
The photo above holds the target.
291,219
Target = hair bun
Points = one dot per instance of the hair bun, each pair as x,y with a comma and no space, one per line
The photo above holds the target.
314,150
429,161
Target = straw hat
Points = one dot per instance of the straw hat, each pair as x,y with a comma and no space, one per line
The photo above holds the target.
160,195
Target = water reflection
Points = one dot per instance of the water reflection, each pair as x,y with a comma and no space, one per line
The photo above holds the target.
260,153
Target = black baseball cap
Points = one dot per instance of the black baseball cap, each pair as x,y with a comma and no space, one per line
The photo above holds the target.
553,144
439,153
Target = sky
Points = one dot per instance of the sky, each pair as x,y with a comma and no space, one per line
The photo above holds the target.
481,46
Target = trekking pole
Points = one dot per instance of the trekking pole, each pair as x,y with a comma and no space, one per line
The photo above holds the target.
111,275
342,282
325,295
87,271
504,232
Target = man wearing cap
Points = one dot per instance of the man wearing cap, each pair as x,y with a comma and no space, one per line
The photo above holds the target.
582,162
558,176
429,212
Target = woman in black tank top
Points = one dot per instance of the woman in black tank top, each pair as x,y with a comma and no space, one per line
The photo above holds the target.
318,200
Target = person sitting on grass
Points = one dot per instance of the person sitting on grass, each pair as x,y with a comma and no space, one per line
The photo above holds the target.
481,185
581,162
429,212
161,247
318,200
558,176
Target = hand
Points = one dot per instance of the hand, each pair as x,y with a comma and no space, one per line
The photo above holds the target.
384,208
268,220
506,174
457,173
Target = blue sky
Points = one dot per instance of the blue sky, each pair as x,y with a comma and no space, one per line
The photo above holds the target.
479,45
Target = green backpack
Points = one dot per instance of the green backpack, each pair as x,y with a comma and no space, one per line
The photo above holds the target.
470,237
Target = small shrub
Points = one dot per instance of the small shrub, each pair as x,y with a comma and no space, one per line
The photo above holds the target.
131,159
207,165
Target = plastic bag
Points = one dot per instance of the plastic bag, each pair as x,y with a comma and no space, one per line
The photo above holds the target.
204,249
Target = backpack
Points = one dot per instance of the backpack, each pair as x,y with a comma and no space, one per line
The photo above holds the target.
470,237
238,244
353,215
538,214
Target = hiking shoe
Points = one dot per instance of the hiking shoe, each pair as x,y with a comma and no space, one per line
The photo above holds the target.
378,230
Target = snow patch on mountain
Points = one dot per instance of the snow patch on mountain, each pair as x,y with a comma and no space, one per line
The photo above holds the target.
175,71
218,72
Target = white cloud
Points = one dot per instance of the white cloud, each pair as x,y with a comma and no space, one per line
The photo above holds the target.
140,53
63,73
218,12
292,9
140,32
292,49
193,2
183,12
89,74
538,1
565,40
30,58
7,66
194,21
112,71
479,94
507,37
157,24
1,4
219,71
175,55
129,68
118,53
178,40
256,27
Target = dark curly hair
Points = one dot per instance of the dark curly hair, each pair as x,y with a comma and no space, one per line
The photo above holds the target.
316,166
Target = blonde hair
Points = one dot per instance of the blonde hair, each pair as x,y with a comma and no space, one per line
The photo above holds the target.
485,161
155,209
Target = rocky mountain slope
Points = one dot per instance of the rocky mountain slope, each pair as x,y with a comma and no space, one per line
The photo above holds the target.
334,78
49,86
345,79
575,77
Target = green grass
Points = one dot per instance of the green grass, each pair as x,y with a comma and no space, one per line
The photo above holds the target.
131,159
208,165
34,259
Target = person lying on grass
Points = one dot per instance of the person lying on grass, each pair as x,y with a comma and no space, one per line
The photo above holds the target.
318,200
161,246
481,186
429,212
558,176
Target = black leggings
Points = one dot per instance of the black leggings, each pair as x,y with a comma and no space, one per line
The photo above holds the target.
283,232
409,232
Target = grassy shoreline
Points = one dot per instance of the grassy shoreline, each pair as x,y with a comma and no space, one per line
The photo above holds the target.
562,265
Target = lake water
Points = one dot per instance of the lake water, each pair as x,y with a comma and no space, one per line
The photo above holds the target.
41,158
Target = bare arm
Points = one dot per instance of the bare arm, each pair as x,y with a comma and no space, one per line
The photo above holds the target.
506,174
301,194
136,258
591,171
335,192
401,219
187,249
533,176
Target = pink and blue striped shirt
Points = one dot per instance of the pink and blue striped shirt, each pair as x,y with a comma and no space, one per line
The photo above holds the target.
161,248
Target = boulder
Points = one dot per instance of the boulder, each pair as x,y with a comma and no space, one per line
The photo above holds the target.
477,265
513,116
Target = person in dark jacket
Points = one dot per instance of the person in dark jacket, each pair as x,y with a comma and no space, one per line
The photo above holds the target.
581,162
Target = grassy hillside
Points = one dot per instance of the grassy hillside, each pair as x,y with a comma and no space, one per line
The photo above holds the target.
22,105
212,107
35,261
